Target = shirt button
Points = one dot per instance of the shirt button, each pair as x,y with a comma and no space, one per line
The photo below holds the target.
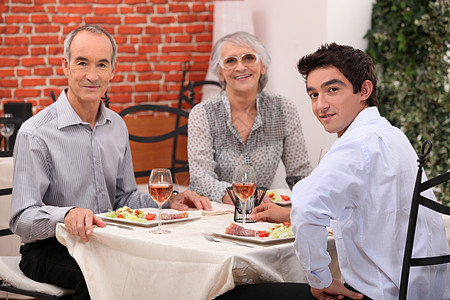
100,190
97,162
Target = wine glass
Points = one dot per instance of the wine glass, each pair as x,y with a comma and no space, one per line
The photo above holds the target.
244,185
160,187
6,130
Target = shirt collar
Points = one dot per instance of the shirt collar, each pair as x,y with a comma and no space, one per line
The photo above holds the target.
226,103
365,117
68,117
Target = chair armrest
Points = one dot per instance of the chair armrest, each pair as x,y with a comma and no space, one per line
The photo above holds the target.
6,231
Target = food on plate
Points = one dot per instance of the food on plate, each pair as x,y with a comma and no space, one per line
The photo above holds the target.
280,230
235,229
130,214
277,197
276,231
182,215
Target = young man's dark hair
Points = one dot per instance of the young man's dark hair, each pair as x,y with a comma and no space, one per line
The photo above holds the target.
356,66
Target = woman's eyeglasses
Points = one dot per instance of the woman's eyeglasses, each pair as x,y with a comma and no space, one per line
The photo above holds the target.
247,59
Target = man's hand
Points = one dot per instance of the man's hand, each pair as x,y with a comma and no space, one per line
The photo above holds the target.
336,290
79,221
188,199
271,212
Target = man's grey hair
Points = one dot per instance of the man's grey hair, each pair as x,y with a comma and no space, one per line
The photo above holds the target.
244,39
93,29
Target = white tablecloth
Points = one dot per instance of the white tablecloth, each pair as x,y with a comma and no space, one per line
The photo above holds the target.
123,264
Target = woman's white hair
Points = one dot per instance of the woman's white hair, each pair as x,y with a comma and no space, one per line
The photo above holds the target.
244,39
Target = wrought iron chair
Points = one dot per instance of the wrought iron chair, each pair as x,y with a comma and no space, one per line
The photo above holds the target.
181,130
13,281
187,94
418,200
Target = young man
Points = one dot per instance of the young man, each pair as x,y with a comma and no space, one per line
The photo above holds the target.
71,161
362,188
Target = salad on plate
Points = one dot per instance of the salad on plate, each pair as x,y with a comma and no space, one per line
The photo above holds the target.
130,214
280,196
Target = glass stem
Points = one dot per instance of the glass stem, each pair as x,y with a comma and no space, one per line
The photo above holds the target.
7,143
244,213
159,219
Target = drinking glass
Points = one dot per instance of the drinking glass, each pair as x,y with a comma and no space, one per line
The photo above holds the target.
160,187
6,130
244,185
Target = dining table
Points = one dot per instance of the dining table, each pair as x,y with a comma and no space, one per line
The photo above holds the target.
129,262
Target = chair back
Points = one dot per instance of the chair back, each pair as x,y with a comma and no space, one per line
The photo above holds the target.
187,94
156,136
418,200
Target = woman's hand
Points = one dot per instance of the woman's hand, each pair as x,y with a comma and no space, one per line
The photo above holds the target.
188,199
226,199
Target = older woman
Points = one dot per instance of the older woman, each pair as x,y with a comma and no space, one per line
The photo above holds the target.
243,124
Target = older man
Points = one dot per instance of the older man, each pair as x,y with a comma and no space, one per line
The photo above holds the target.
73,160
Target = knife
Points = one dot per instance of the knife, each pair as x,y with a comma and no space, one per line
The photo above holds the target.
120,226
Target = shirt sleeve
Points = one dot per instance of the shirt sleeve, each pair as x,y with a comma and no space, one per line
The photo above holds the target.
295,154
330,192
203,178
31,218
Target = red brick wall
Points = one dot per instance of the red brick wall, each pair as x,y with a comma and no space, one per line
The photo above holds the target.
154,38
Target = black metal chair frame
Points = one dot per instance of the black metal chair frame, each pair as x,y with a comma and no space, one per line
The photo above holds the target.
153,139
186,94
418,200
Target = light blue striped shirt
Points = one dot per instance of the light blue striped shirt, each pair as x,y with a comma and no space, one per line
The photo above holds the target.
60,162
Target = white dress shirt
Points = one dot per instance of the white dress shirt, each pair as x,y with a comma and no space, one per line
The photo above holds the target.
60,162
363,188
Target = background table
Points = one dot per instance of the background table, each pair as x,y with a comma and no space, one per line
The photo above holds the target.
123,264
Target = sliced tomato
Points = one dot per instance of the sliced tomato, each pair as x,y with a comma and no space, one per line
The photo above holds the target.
119,217
285,197
287,224
136,212
150,216
271,195
263,233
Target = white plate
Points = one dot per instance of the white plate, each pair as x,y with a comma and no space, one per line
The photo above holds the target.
192,215
282,192
254,226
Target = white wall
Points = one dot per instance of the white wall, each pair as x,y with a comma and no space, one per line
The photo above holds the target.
290,29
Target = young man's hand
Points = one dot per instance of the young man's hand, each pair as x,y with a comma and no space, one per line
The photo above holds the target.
271,212
336,290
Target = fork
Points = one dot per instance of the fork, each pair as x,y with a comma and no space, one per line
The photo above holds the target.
211,239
